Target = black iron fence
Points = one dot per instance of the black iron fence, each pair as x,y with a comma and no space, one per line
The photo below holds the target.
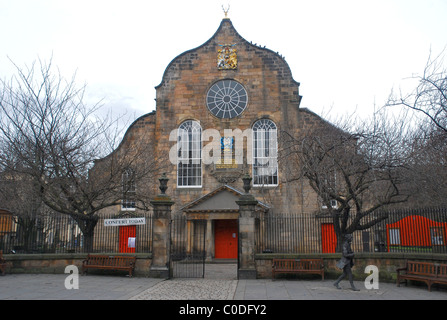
56,233
408,230
187,248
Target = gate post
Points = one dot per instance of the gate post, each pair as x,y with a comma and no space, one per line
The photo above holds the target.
247,207
161,232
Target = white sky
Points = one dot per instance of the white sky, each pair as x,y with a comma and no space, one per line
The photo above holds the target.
347,54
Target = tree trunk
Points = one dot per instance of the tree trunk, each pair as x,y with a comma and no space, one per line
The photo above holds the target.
87,225
340,226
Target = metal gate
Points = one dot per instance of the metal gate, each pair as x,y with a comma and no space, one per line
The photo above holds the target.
187,248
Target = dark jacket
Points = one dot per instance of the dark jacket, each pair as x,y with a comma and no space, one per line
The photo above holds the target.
347,257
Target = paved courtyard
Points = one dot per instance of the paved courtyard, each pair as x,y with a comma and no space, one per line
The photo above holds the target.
103,287
190,289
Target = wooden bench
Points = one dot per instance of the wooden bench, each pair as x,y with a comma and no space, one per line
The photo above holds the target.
298,266
2,263
427,272
125,263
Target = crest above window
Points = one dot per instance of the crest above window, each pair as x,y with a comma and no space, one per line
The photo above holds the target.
227,57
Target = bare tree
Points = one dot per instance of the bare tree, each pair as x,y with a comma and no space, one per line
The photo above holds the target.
429,98
355,171
19,194
427,177
50,136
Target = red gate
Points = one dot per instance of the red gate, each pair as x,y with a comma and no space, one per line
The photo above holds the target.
328,238
127,239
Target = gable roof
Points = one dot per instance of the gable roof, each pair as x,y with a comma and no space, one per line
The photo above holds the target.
226,22
222,199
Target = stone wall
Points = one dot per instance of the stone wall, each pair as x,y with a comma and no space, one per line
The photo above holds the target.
56,263
386,262
181,96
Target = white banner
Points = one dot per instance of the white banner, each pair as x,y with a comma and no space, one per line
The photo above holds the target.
124,222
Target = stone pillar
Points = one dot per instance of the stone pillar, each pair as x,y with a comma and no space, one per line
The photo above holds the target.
161,232
247,207
209,240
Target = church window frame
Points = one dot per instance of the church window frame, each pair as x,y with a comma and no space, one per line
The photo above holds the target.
128,202
227,99
265,153
189,155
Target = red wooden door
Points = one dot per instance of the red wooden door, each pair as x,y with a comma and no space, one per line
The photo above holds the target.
328,238
127,239
225,239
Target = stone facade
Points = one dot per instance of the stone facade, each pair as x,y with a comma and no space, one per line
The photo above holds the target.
181,96
272,94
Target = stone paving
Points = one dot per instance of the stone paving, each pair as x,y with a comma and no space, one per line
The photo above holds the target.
102,287
52,287
189,289
267,289
220,283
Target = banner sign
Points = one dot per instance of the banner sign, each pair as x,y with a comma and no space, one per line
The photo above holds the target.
124,222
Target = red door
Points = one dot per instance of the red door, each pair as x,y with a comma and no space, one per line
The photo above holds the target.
127,239
225,239
328,238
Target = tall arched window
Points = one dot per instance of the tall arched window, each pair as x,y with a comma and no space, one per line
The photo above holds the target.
129,190
189,156
265,153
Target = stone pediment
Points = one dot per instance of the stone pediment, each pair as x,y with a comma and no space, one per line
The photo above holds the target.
223,199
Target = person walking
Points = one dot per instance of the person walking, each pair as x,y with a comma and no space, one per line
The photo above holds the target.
346,263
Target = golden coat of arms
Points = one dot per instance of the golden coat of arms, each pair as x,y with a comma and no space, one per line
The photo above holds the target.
227,57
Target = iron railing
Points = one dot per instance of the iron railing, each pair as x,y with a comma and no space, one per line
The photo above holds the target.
57,233
404,230
187,248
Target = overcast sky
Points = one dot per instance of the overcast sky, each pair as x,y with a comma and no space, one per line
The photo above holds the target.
347,54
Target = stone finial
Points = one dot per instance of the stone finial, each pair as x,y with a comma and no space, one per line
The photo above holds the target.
247,182
163,183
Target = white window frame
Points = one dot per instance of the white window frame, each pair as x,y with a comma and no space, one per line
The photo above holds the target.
394,236
189,150
436,236
334,204
265,150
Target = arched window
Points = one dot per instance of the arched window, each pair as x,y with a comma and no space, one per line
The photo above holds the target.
129,190
265,151
189,156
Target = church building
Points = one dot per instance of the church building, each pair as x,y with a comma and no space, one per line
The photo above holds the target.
221,109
